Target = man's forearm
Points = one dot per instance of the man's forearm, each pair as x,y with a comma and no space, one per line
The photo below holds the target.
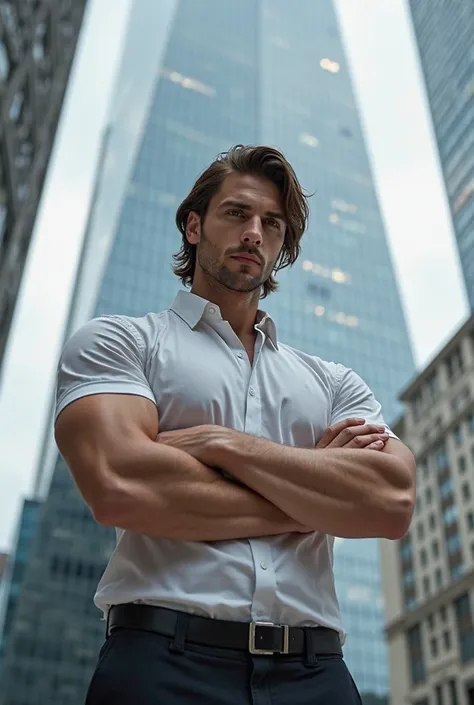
164,492
347,493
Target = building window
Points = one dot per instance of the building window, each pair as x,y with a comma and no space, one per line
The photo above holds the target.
454,364
465,627
447,640
416,659
453,692
450,514
470,422
4,62
430,622
454,544
462,464
435,548
443,613
470,521
423,557
441,457
432,384
458,435
428,495
466,492
406,550
420,531
446,488
438,578
434,647
426,585
432,521
439,695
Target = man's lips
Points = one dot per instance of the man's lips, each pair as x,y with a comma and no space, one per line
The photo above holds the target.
246,258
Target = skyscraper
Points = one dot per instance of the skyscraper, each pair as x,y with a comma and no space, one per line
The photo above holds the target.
444,33
195,79
37,44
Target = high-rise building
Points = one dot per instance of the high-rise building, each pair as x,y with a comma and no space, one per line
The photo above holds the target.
37,44
444,31
195,79
428,576
15,569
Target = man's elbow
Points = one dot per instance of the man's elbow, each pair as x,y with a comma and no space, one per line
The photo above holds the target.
397,518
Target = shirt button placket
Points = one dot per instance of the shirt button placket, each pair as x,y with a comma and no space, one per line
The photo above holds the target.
265,581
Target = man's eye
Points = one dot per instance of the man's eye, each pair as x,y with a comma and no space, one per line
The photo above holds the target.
235,212
273,223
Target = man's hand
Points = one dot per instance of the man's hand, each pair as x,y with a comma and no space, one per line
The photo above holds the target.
354,433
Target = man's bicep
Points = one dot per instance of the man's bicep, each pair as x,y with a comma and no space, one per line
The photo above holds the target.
97,434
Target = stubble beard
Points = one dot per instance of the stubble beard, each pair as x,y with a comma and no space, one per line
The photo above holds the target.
208,258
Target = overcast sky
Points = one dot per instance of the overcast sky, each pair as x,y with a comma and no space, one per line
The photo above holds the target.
399,137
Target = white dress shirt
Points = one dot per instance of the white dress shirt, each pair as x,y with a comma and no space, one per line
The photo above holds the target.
192,365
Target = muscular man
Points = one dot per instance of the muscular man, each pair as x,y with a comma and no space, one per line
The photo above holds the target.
227,461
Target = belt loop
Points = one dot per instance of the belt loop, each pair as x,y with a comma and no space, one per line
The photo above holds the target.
310,660
177,645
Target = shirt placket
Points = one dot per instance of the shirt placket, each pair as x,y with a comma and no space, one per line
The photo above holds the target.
265,578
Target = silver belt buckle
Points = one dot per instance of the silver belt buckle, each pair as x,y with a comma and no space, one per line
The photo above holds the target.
286,638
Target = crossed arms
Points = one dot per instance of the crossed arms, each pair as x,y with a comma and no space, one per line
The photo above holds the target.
164,484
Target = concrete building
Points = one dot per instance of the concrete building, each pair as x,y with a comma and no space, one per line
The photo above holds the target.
445,36
37,44
428,577
196,78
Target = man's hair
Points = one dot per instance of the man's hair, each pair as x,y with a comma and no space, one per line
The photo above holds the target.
266,162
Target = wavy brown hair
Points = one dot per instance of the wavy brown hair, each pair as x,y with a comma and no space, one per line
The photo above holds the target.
267,162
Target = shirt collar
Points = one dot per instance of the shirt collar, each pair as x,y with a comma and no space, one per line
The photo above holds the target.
192,308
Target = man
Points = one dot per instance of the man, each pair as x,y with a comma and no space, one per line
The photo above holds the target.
228,462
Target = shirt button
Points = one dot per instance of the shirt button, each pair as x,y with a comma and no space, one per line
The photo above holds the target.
240,355
263,565
252,392
212,309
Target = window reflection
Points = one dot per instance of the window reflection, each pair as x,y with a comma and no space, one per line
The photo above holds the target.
339,317
308,139
337,275
188,82
331,66
464,196
341,205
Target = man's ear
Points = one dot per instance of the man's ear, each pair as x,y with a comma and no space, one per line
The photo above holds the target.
193,228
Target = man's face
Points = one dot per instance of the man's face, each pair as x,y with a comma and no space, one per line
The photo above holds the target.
241,237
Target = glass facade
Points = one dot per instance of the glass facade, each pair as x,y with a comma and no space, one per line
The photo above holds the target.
446,48
257,71
15,570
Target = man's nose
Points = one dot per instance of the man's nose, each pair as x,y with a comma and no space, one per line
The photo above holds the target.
252,234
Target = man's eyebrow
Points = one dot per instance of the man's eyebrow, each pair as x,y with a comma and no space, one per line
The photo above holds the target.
248,207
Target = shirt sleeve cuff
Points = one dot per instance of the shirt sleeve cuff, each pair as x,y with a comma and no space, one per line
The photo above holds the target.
85,390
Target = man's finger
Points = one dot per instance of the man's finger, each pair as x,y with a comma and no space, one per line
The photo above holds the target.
366,440
376,445
332,432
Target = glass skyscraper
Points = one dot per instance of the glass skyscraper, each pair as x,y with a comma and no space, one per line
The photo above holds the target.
445,36
196,78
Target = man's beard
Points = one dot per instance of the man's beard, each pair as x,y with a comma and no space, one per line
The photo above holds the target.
208,258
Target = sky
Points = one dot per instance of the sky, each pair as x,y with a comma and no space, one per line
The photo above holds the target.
387,80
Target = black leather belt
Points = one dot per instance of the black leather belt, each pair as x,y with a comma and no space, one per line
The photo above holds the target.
257,637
